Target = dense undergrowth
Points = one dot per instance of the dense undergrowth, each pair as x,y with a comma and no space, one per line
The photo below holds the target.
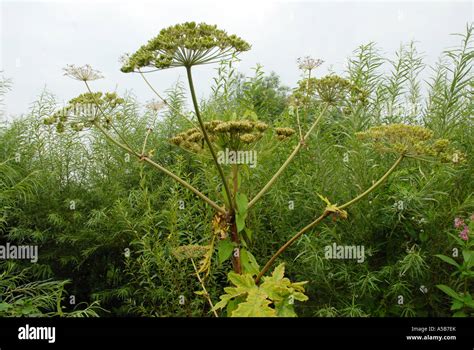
108,227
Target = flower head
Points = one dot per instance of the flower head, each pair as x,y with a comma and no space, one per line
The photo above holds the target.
331,89
185,45
82,111
191,251
308,63
464,234
155,106
410,140
458,222
84,73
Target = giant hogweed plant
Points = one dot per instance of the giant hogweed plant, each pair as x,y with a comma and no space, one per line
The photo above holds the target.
189,45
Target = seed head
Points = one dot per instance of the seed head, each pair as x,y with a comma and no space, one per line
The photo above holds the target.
185,45
308,63
84,73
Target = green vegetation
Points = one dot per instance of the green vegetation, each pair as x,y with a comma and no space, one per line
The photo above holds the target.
227,209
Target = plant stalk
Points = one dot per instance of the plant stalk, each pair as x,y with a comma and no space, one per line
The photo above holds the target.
288,160
236,260
206,136
324,215
205,293
162,169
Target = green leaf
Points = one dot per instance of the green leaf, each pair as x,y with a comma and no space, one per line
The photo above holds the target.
240,222
470,304
468,300
468,256
241,281
280,288
249,263
242,203
471,225
447,259
224,250
274,297
279,272
249,234
256,305
423,236
225,298
28,310
460,314
285,308
457,304
224,195
244,284
250,114
4,306
449,292
232,305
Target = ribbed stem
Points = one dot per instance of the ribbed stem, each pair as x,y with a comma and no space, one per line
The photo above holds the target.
206,137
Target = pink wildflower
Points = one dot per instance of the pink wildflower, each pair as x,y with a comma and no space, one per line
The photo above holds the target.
464,233
458,222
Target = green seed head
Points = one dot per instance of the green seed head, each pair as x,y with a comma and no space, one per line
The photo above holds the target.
185,45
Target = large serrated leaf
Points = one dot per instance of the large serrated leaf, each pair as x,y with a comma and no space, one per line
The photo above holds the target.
256,305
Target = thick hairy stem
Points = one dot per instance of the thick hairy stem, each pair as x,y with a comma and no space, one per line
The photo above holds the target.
324,215
288,160
234,236
205,292
206,136
236,261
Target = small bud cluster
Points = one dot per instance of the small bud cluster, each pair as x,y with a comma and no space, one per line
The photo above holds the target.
284,133
232,134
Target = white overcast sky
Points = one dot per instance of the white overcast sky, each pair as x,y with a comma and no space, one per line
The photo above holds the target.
39,38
